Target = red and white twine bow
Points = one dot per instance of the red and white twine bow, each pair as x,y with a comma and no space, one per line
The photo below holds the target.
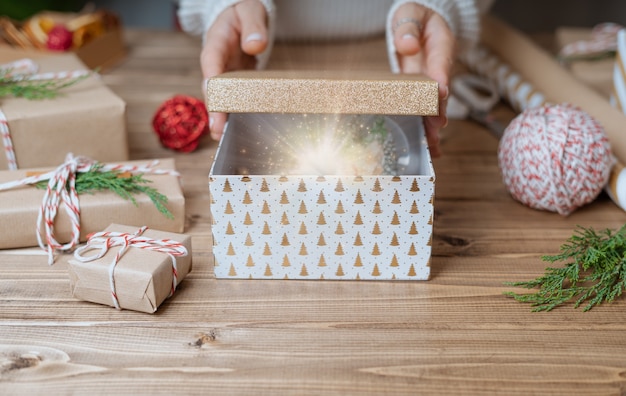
61,189
102,241
26,70
603,41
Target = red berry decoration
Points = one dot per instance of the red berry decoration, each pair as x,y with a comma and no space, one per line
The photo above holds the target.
180,122
59,38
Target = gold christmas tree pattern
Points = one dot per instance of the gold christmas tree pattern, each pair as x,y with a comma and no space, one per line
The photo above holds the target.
332,227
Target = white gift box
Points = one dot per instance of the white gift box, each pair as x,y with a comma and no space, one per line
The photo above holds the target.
272,220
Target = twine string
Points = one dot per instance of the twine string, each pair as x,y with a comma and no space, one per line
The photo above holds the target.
61,193
100,243
603,41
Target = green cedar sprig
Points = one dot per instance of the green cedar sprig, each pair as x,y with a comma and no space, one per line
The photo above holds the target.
595,272
120,183
33,89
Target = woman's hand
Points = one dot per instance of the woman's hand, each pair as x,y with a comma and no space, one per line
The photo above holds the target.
238,34
425,44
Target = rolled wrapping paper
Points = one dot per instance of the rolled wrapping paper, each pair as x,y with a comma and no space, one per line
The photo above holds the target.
536,68
616,187
618,97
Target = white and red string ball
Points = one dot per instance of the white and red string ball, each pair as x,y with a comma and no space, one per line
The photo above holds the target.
555,158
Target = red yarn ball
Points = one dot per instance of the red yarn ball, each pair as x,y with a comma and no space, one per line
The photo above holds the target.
180,122
555,157
59,38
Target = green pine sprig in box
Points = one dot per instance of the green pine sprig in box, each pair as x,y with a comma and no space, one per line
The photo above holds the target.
594,272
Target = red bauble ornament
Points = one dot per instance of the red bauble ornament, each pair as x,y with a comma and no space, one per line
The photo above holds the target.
59,38
180,122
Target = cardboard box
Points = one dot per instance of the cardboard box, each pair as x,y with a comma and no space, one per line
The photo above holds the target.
19,208
86,119
272,223
143,278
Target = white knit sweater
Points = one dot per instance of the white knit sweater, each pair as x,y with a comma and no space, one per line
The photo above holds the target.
337,19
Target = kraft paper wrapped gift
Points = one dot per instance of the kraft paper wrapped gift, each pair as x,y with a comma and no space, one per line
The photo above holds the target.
20,206
596,72
274,222
86,118
143,278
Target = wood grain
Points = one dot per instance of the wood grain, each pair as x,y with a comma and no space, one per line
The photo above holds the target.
455,334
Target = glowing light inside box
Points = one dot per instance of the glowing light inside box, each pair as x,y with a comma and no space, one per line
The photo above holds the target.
273,223
317,145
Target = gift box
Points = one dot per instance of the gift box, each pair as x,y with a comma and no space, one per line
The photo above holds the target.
276,216
19,207
594,71
147,272
86,118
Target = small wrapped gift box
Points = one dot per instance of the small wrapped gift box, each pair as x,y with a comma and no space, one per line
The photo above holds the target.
86,118
130,268
322,176
21,206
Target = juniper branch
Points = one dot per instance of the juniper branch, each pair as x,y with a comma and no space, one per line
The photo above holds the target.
594,272
34,89
124,186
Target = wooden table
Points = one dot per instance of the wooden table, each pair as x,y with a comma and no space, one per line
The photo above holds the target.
454,334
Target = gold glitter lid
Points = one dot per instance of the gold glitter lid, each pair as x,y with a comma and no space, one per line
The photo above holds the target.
331,92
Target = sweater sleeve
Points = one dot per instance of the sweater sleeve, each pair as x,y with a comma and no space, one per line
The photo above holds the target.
462,16
197,16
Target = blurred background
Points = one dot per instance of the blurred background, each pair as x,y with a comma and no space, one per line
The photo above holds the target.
528,15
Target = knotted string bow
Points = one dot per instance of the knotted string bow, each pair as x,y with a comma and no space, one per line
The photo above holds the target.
101,242
61,189
25,70
603,42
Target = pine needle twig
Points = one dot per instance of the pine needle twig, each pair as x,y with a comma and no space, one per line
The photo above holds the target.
21,87
125,185
594,272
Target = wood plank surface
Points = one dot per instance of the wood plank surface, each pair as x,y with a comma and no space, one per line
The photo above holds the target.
453,334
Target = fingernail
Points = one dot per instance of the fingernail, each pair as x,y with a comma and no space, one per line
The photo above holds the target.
210,122
446,92
254,37
408,36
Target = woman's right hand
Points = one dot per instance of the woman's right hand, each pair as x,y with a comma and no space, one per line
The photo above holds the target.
235,38
425,44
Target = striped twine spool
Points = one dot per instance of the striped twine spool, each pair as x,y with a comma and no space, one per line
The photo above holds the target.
552,157
101,242
555,158
25,70
61,189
